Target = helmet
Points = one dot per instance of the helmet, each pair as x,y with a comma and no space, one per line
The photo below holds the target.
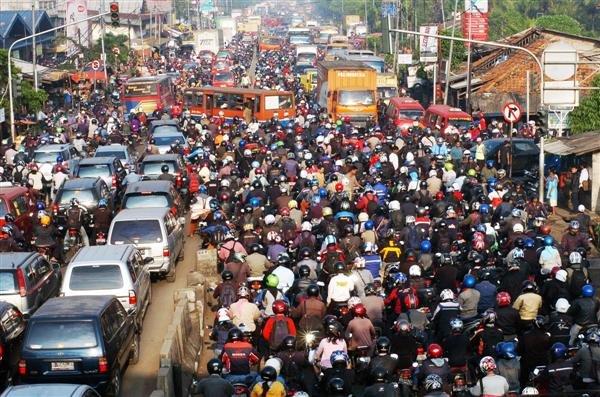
529,243
102,202
530,391
164,168
339,267
363,217
369,225
214,366
506,350
312,290
335,385
410,219
255,202
304,271
518,228
575,258
558,350
268,373
562,305
545,229
293,204
9,218
489,317
45,220
456,325
435,351
433,382
379,374
399,279
279,307
425,246
439,196
234,335
306,226
487,364
40,206
289,342
339,187
404,326
548,241
587,291
359,310
227,275
243,292
369,289
446,294
394,205
592,335
257,184
327,211
339,356
414,271
269,219
528,286
574,225
503,299
383,344
272,281
74,202
469,281
539,321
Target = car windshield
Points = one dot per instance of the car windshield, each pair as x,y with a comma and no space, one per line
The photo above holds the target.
8,283
3,208
306,58
83,196
460,123
136,232
61,335
172,129
410,114
45,157
387,92
168,140
154,168
93,171
120,154
146,201
353,98
95,277
223,77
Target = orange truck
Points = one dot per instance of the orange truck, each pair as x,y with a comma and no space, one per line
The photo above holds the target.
347,89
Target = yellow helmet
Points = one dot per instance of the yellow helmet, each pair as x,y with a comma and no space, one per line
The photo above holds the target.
45,220
327,211
293,204
449,166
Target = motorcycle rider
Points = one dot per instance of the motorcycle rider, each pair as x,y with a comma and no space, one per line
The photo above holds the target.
165,175
15,231
456,345
583,310
559,371
508,364
533,345
491,384
58,178
213,384
75,218
102,217
339,369
574,238
435,363
269,386
583,361
468,299
381,385
244,313
446,310
434,386
238,357
507,317
528,304
360,331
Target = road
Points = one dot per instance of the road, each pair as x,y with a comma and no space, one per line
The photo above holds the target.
140,379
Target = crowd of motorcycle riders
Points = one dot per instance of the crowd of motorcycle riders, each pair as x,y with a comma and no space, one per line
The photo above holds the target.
355,260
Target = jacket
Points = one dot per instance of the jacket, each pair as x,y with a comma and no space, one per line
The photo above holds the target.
528,305
583,311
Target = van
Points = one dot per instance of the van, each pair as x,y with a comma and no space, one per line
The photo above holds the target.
151,194
442,116
403,112
19,202
102,270
155,232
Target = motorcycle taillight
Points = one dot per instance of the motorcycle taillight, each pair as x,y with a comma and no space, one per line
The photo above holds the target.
73,232
239,390
405,374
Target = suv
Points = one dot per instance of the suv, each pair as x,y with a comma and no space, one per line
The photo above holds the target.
164,139
109,169
88,191
153,194
119,151
27,280
50,389
524,151
18,201
152,163
12,325
45,156
103,270
80,339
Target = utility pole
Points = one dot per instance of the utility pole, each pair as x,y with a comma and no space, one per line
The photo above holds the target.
450,54
102,34
366,16
34,56
468,92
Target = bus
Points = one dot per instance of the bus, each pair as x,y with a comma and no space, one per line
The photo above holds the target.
299,36
147,94
265,104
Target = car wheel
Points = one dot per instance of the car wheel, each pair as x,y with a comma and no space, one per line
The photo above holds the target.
114,387
171,275
181,256
134,356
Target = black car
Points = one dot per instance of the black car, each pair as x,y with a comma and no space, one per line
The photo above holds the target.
152,194
525,154
151,168
81,340
12,325
110,169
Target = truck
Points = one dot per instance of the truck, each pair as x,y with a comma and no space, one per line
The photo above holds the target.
227,26
350,21
347,89
387,86
207,40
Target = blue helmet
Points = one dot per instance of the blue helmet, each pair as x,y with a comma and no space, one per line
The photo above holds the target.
506,350
338,356
59,158
217,216
255,202
425,246
548,241
203,189
587,291
369,225
529,243
242,144
484,209
469,281
40,206
480,228
378,165
323,192
213,204
102,202
489,163
558,350
399,278
492,182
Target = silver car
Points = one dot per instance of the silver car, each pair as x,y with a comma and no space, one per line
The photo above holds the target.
50,390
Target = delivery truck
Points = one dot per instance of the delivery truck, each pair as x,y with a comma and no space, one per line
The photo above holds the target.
348,89
387,86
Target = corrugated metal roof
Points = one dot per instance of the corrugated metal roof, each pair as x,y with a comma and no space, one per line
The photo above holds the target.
577,144
7,20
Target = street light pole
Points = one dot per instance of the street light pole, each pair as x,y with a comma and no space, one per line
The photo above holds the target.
450,54
10,49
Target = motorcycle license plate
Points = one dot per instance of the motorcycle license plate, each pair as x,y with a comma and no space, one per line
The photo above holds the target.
101,241
62,366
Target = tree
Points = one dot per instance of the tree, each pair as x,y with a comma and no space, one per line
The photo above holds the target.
32,100
586,117
459,53
111,41
561,23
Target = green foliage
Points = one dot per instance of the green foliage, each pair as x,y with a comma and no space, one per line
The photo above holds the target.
459,53
34,101
586,117
562,23
110,41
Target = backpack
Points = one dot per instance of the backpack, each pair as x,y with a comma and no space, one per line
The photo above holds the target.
288,227
578,280
331,257
595,365
228,295
279,332
18,175
310,322
413,239
306,240
372,207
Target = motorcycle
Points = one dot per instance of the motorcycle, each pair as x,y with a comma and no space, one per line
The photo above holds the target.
362,359
100,238
73,239
240,390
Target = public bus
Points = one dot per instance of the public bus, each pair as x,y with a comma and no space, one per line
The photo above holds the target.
265,104
299,36
147,94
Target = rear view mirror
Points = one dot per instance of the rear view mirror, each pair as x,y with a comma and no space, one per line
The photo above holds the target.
148,260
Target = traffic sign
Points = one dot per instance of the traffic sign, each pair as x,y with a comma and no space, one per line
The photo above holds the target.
512,112
96,64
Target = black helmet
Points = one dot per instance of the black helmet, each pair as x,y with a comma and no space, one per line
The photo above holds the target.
268,373
254,248
9,218
227,275
288,343
257,184
339,267
335,385
383,344
304,271
214,366
423,185
520,242
369,289
379,374
164,168
234,334
539,321
312,290
305,252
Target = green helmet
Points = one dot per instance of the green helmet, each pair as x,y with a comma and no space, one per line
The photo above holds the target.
272,281
339,122
471,172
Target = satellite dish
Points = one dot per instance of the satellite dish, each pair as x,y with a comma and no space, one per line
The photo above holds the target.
563,53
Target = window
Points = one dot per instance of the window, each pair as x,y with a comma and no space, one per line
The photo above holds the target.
229,101
21,205
144,231
146,201
356,98
140,89
105,153
109,323
84,196
170,224
43,268
32,273
3,208
93,171
167,140
120,314
8,283
96,277
274,102
153,168
61,335
193,98
12,323
132,269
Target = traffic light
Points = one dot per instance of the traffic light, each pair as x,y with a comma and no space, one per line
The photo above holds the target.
114,14
17,82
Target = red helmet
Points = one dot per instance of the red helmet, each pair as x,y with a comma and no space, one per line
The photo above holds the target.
435,351
279,307
545,230
439,196
339,187
411,301
284,211
359,310
503,299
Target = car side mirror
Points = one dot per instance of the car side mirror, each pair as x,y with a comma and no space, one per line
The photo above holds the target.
148,260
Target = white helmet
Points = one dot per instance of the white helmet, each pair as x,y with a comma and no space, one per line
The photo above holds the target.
330,239
359,262
370,247
275,363
530,391
363,217
562,305
575,258
518,228
410,219
394,205
561,275
353,301
269,219
225,183
446,294
306,227
414,271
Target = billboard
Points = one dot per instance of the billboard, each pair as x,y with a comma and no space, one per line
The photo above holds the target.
475,25
428,45
76,11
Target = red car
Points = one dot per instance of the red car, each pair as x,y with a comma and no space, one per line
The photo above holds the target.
223,79
19,202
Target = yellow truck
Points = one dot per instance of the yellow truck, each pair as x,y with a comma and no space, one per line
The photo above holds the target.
347,89
387,86
309,80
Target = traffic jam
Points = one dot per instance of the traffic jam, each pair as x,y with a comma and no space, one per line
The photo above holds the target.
368,244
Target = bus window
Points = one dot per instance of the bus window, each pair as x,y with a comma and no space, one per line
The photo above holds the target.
140,89
229,101
193,99
273,102
209,102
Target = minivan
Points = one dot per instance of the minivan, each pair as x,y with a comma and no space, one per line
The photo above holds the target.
442,116
109,169
27,280
153,194
403,112
50,390
155,232
118,270
18,201
80,339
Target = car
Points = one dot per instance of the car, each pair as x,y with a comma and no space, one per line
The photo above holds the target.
45,157
525,154
220,65
155,232
206,55
163,126
50,390
80,339
111,270
223,78
12,325
18,201
164,139
150,168
110,169
27,280
88,191
119,151
153,194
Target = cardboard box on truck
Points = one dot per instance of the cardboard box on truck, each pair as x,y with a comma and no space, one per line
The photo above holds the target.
250,27
347,89
351,20
207,40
